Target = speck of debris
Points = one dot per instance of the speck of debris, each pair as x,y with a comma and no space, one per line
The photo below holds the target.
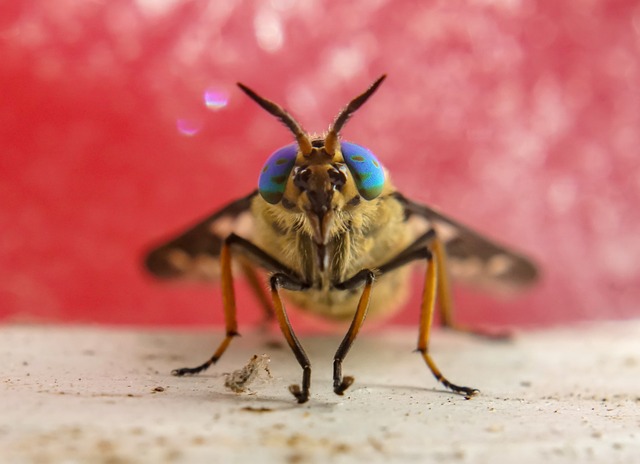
525,383
198,440
238,380
158,390
376,444
295,458
254,409
495,428
105,446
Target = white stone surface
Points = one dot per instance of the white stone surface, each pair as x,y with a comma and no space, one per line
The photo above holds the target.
100,395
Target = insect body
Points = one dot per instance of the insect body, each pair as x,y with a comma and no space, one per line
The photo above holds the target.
329,227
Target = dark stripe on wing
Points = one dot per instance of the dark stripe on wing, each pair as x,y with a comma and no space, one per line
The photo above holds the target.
473,258
194,253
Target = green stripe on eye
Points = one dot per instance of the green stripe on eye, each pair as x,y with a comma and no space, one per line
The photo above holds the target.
271,197
279,179
367,172
276,171
361,177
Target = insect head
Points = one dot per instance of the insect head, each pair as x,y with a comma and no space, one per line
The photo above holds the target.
361,164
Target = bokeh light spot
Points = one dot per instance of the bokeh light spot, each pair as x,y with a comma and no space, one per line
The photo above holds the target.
268,30
189,126
215,99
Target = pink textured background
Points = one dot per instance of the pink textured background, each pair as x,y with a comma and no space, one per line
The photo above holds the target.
520,117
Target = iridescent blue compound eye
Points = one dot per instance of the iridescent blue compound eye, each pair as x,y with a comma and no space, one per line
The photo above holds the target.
274,175
365,169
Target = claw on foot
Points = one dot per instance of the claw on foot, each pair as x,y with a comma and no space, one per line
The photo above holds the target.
186,371
342,386
301,396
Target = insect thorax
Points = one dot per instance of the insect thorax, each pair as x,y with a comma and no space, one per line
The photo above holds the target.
364,236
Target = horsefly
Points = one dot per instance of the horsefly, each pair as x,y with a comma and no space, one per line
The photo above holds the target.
327,225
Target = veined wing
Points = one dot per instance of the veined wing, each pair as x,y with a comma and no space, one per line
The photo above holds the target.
473,258
195,253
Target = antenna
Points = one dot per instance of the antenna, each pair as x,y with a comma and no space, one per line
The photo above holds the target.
331,140
301,136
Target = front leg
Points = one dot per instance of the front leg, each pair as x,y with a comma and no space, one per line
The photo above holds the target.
289,282
256,256
364,277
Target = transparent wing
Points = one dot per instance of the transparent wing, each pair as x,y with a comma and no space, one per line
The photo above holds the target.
195,253
472,258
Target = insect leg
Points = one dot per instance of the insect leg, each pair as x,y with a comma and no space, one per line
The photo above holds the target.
228,294
283,277
229,304
433,288
366,277
286,281
463,245
445,302
251,275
